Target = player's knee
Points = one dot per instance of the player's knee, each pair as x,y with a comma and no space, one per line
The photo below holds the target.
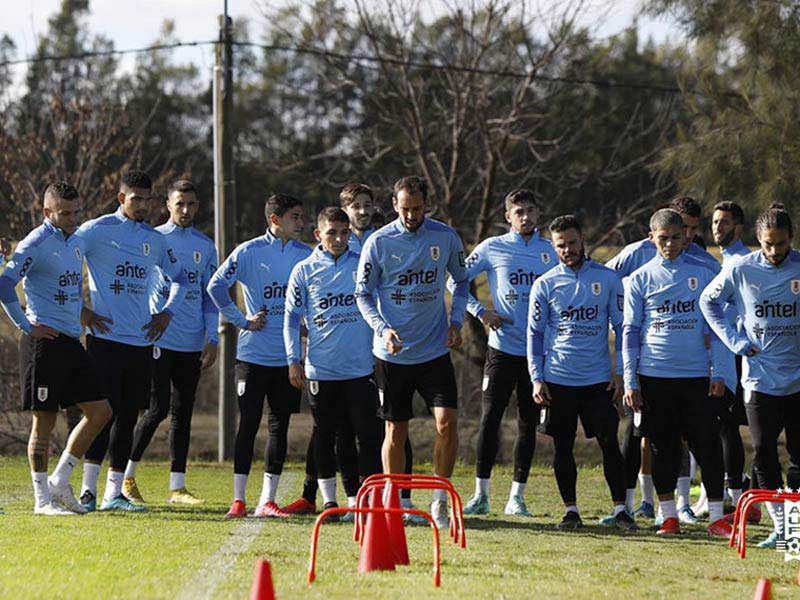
447,426
396,433
101,414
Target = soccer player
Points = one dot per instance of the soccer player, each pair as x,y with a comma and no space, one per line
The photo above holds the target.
342,395
55,371
400,292
666,366
572,307
186,348
122,252
512,262
262,267
764,287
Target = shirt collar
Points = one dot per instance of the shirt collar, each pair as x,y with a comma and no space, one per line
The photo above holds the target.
733,249
520,239
570,271
48,224
670,263
171,226
327,256
402,228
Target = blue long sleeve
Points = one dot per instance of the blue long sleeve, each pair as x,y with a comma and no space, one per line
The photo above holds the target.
11,305
538,315
295,310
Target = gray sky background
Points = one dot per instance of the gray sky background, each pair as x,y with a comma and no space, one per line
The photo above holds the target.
136,23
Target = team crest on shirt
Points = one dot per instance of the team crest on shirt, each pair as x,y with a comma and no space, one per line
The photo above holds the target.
692,283
240,387
545,256
197,257
435,252
597,287
146,249
42,392
795,286
313,387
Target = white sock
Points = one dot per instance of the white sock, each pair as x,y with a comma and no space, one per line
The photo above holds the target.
481,486
775,510
684,487
177,481
351,501
630,495
517,489
327,488
735,494
269,488
715,510
440,495
113,485
573,508
667,508
130,470
41,492
64,469
239,486
405,502
618,508
91,472
646,485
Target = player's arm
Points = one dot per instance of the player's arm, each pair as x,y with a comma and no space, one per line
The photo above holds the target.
538,315
367,277
171,267
20,264
458,272
218,288
616,311
210,313
293,315
717,294
475,265
633,317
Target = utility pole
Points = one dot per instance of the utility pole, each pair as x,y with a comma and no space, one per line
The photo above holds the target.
225,221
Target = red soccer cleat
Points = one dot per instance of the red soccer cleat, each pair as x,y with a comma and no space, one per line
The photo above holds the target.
671,526
720,528
754,515
238,510
270,509
300,506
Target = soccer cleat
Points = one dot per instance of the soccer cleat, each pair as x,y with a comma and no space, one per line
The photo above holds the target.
671,526
720,528
270,510
51,509
754,515
477,505
571,520
411,519
771,541
700,508
348,518
659,519
238,510
131,491
685,515
625,522
89,501
516,506
121,503
301,506
645,510
65,497
183,496
331,518
440,514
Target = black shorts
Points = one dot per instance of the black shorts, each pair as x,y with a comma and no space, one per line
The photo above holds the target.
359,393
435,381
123,372
504,372
55,374
679,404
254,382
592,403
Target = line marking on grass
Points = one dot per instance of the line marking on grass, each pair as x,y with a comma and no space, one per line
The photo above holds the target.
204,582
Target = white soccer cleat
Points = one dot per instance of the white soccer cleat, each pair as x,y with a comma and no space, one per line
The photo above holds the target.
441,514
63,496
51,510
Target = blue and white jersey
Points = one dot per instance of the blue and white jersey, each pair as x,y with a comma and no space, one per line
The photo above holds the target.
196,319
638,254
730,254
322,291
766,298
262,267
572,310
512,264
664,332
50,265
355,244
121,256
401,284
733,252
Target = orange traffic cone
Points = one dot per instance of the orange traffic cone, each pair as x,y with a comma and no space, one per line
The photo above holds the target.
376,554
763,590
394,524
262,582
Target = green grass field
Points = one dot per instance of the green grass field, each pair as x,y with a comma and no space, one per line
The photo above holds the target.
195,553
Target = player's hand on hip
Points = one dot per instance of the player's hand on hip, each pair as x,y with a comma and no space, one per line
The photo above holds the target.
633,398
453,337
716,389
541,393
96,323
42,332
392,341
752,351
296,376
257,321
494,320
157,326
209,356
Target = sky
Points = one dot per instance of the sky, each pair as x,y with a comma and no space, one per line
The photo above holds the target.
136,23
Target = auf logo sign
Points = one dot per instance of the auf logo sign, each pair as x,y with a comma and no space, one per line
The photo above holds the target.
789,542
